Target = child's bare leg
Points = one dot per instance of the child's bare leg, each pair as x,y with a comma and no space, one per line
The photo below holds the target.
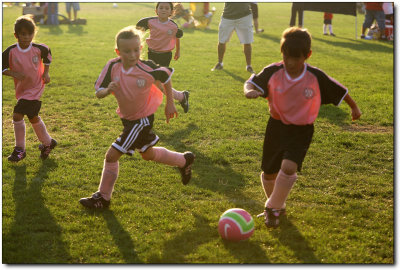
268,183
177,95
284,182
110,173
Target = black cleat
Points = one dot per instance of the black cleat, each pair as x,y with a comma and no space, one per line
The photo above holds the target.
45,150
272,216
185,101
186,171
17,155
95,202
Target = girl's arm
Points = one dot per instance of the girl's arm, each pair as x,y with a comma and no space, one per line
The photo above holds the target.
46,76
355,111
170,109
16,75
250,91
177,49
112,87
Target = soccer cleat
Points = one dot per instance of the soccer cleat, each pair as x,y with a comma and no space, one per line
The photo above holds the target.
45,150
218,66
272,216
17,155
186,171
332,34
185,101
259,31
250,69
95,202
362,36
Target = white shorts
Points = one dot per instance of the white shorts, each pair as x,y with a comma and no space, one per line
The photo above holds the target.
242,26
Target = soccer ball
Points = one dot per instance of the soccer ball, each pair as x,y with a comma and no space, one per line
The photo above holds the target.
235,224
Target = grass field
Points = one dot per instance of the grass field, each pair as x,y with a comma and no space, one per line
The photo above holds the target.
339,211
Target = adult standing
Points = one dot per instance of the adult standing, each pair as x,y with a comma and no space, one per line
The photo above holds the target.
235,17
75,6
297,9
374,10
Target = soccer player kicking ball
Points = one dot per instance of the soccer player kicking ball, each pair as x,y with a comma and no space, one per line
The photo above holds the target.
131,81
295,92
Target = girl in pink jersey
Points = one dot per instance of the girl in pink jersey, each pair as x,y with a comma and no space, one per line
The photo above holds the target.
28,63
164,37
295,92
132,81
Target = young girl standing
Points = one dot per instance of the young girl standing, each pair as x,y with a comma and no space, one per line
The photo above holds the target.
164,37
28,63
131,81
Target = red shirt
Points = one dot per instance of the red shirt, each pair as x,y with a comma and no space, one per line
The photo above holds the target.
373,6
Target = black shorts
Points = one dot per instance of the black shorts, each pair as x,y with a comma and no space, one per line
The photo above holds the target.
285,142
137,134
162,59
31,108
327,21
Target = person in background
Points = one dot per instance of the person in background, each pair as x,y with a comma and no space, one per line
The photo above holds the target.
328,23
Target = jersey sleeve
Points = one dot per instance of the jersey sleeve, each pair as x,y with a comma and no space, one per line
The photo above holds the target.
45,54
104,78
260,80
332,92
6,59
162,74
143,23
179,33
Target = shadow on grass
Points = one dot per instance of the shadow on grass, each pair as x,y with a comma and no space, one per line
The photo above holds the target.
121,237
53,29
288,235
334,114
187,242
35,236
236,77
76,29
356,45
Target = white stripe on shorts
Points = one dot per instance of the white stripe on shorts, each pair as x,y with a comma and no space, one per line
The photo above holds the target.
136,129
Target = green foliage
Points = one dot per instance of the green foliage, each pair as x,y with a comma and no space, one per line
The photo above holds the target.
339,211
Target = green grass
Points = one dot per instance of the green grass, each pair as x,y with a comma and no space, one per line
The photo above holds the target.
339,211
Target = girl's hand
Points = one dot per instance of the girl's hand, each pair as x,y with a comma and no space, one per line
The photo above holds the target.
177,55
170,111
46,77
113,87
253,94
355,113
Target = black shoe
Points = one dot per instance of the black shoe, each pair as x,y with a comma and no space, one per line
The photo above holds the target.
272,216
325,34
186,171
17,155
362,36
95,202
218,66
185,101
250,69
332,34
45,150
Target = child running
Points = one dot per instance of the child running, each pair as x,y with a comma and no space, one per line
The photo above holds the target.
131,81
295,92
164,36
28,63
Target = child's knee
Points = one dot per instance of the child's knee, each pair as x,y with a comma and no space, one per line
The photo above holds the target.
268,177
34,119
112,155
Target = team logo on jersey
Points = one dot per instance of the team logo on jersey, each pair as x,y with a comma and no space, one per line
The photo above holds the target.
169,32
141,83
35,59
308,93
116,79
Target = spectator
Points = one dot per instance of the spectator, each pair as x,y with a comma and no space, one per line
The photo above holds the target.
75,6
297,8
235,17
374,10
254,10
328,22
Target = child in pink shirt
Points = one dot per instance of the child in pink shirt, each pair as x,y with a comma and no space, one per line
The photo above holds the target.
28,63
131,81
164,37
295,92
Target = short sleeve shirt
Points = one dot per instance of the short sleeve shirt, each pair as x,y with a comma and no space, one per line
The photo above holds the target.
234,10
137,96
30,62
163,35
297,101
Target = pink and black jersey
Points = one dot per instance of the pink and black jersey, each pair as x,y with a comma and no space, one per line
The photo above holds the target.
30,62
297,101
137,95
163,35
